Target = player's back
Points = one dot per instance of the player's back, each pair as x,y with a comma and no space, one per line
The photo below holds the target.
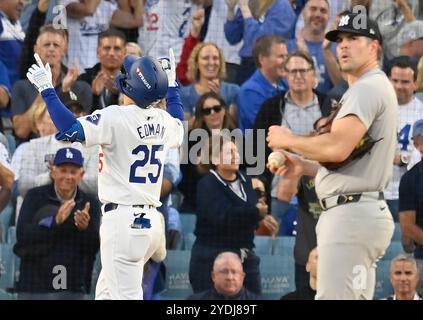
134,142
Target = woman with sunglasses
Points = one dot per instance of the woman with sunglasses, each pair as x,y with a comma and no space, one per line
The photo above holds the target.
211,115
227,218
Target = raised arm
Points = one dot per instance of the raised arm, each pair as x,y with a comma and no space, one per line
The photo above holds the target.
82,9
129,15
173,99
69,128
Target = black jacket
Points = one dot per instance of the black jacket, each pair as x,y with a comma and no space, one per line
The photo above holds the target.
223,219
306,293
41,248
99,101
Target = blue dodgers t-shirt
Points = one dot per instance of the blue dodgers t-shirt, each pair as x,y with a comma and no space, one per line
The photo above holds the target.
11,41
190,96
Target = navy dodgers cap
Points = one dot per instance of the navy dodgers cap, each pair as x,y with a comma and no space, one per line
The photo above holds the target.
359,24
68,155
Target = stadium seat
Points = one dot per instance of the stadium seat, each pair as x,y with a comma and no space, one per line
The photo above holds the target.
394,249
277,276
189,240
4,295
11,140
177,286
397,232
11,239
11,235
263,245
383,284
283,246
7,266
188,221
5,217
95,274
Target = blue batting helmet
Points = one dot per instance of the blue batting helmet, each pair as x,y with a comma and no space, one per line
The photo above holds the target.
144,80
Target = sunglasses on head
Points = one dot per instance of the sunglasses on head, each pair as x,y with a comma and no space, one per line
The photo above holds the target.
207,111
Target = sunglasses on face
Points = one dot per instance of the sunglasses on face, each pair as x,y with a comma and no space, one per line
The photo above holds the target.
207,111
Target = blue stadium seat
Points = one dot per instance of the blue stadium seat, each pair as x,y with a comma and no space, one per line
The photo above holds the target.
263,245
7,266
189,240
5,217
188,221
284,246
178,286
11,239
95,274
4,295
11,235
383,284
11,140
394,249
277,276
397,232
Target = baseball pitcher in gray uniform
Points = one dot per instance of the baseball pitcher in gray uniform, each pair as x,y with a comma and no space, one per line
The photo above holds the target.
356,226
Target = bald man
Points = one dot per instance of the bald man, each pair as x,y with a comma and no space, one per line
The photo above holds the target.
228,280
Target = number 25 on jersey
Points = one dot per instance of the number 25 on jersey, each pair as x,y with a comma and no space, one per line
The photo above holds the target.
150,165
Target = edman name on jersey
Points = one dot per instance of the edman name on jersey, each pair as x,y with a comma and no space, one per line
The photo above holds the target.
151,129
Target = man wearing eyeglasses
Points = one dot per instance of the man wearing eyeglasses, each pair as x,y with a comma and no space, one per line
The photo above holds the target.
228,280
356,226
298,108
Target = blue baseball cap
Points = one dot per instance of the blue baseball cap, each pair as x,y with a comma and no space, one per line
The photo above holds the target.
68,155
418,128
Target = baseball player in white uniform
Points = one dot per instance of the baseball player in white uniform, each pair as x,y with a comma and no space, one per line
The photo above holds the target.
166,23
356,226
133,139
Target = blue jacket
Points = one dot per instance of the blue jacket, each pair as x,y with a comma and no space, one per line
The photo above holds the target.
251,96
42,247
279,20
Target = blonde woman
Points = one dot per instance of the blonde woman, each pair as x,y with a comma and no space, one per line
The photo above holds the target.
206,68
42,125
252,20
211,115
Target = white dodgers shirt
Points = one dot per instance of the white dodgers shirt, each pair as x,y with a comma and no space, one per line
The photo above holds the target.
133,146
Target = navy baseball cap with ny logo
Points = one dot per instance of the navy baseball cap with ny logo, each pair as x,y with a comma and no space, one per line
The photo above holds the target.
357,23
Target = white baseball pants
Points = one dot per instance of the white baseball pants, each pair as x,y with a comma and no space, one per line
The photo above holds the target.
124,251
350,240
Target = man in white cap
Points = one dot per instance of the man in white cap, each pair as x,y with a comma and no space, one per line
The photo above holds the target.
411,39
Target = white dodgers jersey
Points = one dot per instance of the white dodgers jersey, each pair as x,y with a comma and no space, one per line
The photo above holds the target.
166,25
407,115
133,146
